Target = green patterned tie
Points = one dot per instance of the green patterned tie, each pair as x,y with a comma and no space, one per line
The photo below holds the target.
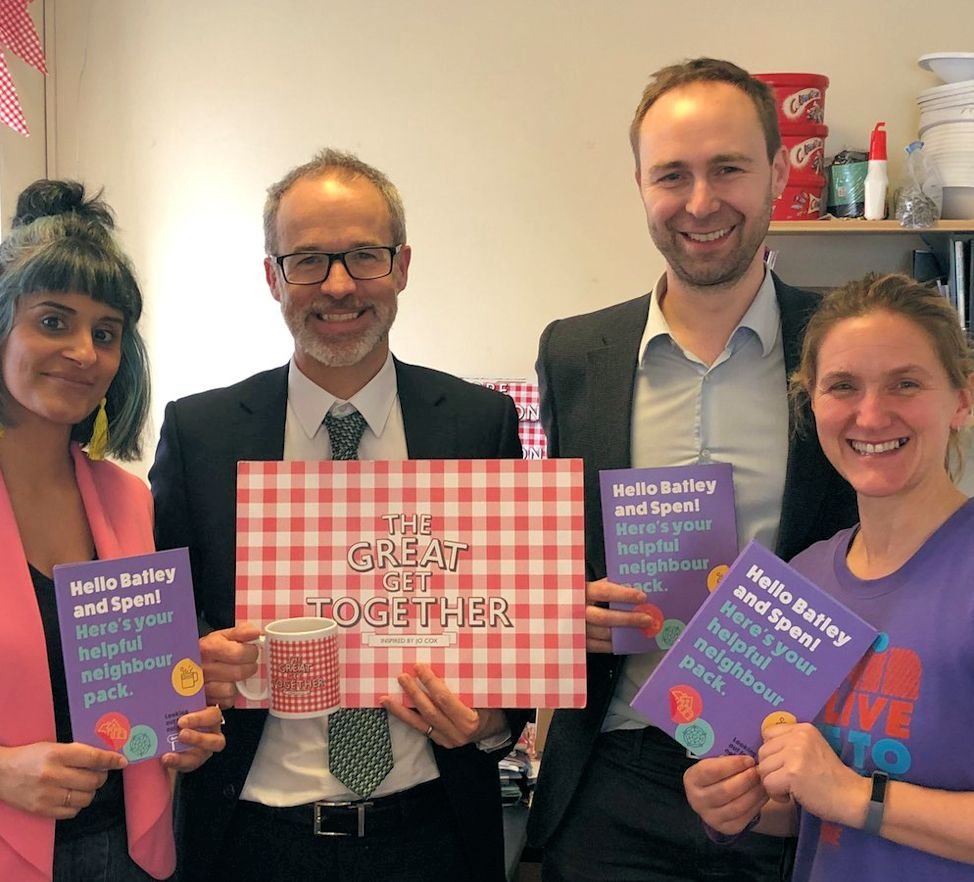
359,749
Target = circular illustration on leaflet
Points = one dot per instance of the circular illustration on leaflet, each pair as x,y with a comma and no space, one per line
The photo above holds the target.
187,677
142,743
672,628
654,613
685,703
113,728
697,737
776,718
715,575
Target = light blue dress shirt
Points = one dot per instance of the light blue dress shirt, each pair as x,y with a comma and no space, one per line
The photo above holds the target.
735,410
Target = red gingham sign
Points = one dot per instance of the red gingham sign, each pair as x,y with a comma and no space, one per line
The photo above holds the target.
10,110
17,33
474,566
528,403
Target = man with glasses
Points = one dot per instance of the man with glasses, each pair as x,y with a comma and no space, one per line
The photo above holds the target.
694,372
290,800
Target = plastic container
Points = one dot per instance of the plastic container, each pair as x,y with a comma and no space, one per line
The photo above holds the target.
800,98
847,182
806,154
877,179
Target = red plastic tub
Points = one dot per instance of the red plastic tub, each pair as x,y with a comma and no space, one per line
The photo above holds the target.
806,154
802,202
800,98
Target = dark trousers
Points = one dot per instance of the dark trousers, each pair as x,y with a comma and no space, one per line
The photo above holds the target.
417,844
99,856
629,821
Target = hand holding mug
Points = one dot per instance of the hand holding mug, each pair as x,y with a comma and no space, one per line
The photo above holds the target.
228,655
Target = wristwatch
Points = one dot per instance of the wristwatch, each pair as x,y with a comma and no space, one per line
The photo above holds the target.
877,803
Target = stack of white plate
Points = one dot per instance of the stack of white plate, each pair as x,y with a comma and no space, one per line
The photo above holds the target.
947,128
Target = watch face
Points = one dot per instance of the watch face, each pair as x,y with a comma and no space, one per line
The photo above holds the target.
880,780
877,804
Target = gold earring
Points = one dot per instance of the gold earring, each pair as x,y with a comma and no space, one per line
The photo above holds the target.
98,445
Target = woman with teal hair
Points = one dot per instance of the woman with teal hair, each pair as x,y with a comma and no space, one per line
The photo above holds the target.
74,387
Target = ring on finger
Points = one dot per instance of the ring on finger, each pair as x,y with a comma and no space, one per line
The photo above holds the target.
429,731
67,799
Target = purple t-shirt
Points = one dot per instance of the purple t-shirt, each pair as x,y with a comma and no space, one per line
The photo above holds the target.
908,707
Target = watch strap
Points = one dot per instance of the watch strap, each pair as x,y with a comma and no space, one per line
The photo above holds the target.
730,838
877,803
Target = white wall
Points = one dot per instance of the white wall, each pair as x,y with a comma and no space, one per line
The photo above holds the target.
504,125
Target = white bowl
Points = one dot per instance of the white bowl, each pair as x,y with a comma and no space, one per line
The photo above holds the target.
954,172
946,91
961,122
957,104
932,137
952,163
938,145
959,181
963,113
944,140
956,155
951,67
940,101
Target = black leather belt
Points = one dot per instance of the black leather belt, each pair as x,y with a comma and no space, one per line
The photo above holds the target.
383,814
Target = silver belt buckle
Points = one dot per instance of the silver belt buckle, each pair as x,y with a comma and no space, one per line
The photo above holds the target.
360,808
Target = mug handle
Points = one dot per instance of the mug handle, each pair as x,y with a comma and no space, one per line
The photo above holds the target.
242,686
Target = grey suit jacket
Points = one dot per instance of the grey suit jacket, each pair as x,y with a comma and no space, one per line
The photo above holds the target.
586,369
194,481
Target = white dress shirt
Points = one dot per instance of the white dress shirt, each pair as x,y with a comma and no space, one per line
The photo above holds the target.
291,765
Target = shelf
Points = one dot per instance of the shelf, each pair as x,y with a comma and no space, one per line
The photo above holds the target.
840,226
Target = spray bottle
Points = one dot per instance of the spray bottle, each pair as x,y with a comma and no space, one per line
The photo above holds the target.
877,181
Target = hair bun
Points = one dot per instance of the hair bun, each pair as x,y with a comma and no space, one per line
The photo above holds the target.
49,198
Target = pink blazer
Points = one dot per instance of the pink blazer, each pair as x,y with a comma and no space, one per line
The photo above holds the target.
119,510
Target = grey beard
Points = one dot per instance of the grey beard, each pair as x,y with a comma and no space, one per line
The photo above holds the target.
340,353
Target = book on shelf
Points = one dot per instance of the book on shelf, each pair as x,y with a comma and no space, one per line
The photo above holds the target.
959,280
970,283
517,777
928,267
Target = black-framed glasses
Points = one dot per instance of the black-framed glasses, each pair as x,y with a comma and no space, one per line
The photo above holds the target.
312,267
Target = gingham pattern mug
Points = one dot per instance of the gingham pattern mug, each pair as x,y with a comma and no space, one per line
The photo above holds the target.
297,668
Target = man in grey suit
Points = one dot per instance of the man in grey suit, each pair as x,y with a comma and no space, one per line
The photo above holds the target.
278,807
694,372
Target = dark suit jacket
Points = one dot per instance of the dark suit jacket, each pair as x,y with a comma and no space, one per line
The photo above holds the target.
194,481
586,370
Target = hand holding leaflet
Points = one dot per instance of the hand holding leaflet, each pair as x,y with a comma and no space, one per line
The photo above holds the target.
767,647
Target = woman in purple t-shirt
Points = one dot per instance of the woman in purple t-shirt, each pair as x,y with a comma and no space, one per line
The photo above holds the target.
881,783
